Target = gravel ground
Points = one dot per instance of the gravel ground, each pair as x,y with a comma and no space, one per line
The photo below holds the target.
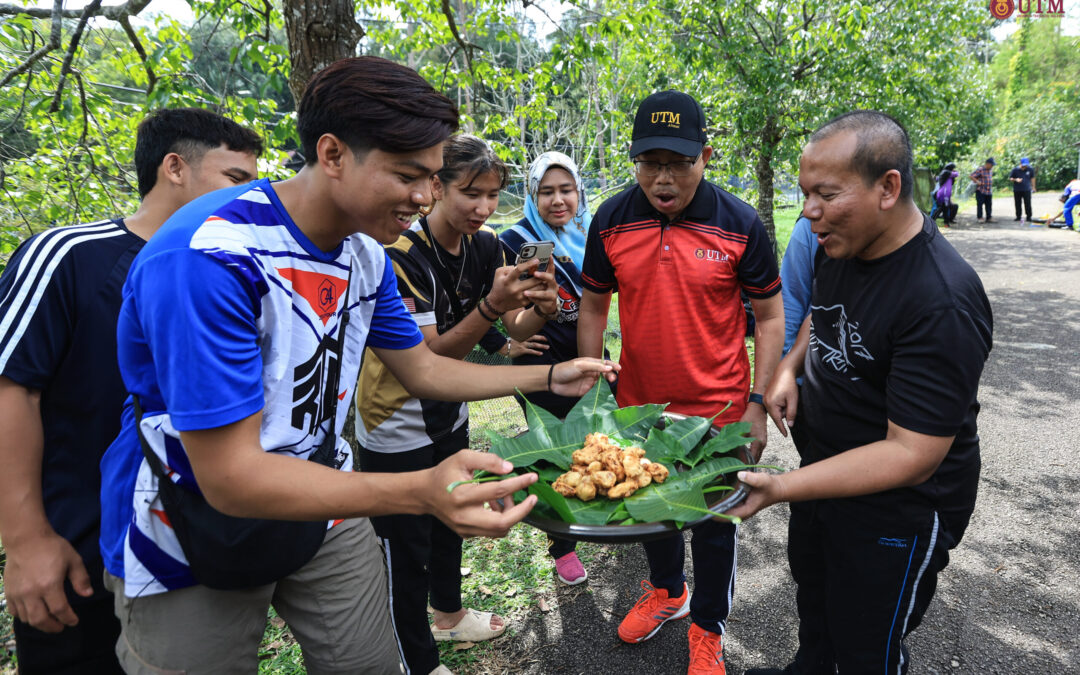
1010,599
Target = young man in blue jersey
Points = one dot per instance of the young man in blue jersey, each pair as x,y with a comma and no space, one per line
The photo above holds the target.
242,327
61,393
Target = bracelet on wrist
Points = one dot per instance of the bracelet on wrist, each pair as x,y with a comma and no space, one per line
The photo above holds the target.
551,371
540,313
756,398
492,319
491,308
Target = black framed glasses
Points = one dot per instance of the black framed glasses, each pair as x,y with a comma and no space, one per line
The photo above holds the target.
680,167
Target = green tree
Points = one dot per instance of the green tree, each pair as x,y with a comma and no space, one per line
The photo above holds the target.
1045,130
780,69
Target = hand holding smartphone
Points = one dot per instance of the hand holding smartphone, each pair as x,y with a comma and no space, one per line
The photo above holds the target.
541,250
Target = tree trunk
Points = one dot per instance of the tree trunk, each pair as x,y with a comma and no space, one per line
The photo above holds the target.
319,33
764,173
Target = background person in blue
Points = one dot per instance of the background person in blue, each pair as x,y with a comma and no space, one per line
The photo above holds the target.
891,359
61,393
797,277
1070,197
555,210
231,331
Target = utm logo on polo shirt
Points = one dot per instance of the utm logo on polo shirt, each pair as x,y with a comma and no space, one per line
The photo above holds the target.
664,117
711,254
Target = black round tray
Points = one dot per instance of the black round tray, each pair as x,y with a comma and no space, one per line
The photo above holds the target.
632,534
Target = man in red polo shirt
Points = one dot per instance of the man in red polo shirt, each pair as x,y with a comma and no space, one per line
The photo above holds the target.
678,250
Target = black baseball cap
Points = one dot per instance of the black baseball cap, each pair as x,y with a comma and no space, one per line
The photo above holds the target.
669,120
990,161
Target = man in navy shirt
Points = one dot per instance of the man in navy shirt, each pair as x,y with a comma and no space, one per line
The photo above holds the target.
61,394
891,356
1023,180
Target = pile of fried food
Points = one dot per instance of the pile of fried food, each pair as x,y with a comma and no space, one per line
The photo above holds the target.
603,468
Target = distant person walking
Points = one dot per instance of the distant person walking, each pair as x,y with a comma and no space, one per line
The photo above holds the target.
984,187
943,195
1023,180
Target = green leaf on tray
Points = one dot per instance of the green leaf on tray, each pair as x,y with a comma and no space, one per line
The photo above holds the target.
689,431
631,423
547,495
596,402
730,437
548,446
664,448
676,499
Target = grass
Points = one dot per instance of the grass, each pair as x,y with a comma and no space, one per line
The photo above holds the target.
8,665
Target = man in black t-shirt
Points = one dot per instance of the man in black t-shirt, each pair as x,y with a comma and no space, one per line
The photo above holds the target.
1023,180
61,392
891,356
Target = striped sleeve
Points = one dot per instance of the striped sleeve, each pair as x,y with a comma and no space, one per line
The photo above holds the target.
38,304
597,273
758,272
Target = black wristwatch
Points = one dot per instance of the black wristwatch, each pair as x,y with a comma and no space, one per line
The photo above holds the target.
756,398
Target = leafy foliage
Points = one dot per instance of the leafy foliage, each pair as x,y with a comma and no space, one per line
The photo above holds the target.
679,445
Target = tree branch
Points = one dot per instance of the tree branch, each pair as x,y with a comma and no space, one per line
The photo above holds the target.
57,14
112,12
73,46
466,47
53,43
125,23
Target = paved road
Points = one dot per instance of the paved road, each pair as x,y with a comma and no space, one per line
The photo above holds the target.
1009,602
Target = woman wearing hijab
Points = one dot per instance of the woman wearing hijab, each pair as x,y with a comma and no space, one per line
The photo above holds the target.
555,210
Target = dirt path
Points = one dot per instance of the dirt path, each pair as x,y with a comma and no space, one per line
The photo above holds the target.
1010,599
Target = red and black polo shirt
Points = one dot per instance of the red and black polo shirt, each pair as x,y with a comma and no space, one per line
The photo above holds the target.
678,282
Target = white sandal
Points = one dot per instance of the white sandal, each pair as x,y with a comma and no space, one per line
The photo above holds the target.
474,627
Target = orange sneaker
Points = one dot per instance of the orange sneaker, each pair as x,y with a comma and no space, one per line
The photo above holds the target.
706,652
653,610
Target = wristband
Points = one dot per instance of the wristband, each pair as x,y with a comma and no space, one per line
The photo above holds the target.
756,398
492,319
550,371
545,317
491,308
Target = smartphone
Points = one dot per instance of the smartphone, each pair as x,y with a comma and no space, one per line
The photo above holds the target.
541,250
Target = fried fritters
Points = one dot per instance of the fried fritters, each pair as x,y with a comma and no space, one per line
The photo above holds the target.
603,468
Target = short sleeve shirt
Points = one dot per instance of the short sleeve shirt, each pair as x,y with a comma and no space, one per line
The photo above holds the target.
389,419
228,311
59,298
901,338
1026,174
680,312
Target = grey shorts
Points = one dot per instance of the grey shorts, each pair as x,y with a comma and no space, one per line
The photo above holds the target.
337,607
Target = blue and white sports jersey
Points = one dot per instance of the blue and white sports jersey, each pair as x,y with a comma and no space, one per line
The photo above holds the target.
230,310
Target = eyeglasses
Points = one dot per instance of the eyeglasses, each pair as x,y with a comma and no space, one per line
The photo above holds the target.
680,168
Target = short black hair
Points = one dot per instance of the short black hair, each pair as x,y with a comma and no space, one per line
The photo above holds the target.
190,133
370,102
881,145
469,156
